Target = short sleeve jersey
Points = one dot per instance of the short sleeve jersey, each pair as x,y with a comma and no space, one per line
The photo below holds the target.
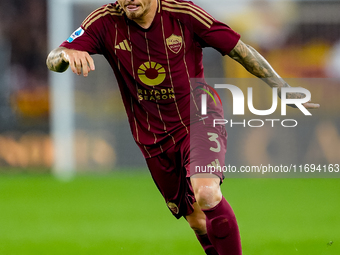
154,67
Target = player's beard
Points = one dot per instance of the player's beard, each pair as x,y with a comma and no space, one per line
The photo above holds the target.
134,15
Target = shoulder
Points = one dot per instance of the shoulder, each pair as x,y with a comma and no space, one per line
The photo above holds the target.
103,14
182,9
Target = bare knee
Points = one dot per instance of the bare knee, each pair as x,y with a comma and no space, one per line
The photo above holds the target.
208,197
207,191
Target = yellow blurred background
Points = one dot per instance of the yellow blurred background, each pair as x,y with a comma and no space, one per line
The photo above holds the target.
301,39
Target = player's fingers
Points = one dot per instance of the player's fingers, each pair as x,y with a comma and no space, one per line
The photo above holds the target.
91,62
72,64
79,61
88,69
78,65
88,64
84,66
68,57
310,105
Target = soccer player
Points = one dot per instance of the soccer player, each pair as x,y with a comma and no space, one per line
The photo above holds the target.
155,49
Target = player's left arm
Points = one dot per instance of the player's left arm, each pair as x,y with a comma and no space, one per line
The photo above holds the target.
257,65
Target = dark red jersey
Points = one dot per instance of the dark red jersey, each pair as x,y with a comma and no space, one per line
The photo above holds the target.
154,67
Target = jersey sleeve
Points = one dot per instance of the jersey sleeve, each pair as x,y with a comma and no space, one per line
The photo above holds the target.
208,31
82,40
89,36
219,36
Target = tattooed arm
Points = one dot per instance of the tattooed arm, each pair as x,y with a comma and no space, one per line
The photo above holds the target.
56,61
257,65
61,58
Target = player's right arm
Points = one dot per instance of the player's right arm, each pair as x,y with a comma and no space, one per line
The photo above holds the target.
61,58
257,65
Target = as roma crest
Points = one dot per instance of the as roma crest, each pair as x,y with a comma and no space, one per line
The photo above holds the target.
173,207
174,43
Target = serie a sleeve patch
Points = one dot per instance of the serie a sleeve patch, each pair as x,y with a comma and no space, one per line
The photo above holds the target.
79,32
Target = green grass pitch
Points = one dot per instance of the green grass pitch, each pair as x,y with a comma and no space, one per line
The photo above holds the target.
123,213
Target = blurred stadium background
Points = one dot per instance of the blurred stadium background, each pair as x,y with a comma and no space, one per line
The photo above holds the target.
109,210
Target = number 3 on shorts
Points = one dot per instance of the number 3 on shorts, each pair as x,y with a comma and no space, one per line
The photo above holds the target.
213,137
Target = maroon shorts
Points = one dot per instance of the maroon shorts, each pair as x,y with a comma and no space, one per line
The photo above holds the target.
172,169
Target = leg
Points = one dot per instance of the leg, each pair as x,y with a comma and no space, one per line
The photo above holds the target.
176,189
221,223
197,222
206,189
